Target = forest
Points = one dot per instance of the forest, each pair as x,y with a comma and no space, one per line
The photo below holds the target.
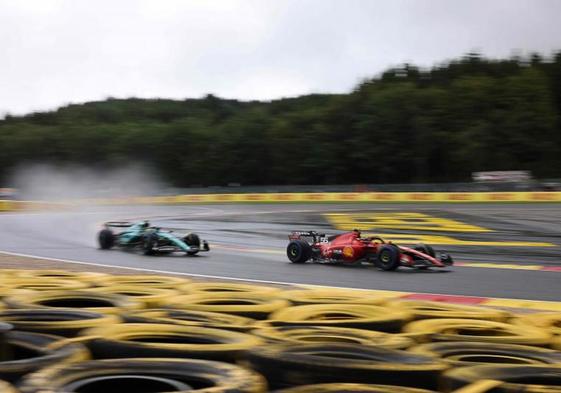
406,125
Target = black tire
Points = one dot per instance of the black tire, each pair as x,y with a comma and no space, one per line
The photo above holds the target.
388,257
286,365
425,249
106,239
26,352
298,251
145,375
149,243
192,240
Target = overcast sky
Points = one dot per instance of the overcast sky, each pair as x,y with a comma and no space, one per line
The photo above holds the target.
56,52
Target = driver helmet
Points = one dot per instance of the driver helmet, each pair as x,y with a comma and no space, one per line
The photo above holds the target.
145,224
357,232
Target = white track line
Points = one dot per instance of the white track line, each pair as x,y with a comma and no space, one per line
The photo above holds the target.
17,254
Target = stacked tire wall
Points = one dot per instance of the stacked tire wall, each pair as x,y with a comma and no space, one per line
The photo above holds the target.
85,332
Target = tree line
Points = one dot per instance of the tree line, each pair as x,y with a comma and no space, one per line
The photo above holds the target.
405,125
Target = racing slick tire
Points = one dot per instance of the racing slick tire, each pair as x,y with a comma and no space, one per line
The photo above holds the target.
145,375
298,251
425,249
192,240
106,239
149,243
388,257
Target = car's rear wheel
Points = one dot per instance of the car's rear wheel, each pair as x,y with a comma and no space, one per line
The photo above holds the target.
192,240
298,251
106,239
388,257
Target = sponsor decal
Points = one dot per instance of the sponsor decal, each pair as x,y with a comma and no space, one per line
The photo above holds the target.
421,196
501,196
254,197
283,197
315,196
460,196
348,252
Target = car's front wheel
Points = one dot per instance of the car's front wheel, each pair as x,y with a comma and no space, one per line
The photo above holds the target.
192,240
298,251
106,239
388,257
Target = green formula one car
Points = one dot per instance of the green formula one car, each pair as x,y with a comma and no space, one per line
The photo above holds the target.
150,240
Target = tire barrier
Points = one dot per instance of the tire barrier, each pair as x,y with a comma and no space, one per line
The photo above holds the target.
503,379
88,300
191,318
145,376
331,335
291,365
352,388
300,297
255,306
24,352
150,340
342,315
549,321
460,354
144,281
299,338
149,297
233,288
427,309
479,331
60,322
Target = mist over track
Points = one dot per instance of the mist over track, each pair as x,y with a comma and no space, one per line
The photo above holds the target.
248,242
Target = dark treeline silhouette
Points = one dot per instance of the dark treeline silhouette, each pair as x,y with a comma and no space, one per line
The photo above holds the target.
407,125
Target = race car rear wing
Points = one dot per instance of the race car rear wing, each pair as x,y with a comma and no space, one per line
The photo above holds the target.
295,235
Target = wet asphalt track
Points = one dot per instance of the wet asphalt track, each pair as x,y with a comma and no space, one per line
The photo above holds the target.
248,242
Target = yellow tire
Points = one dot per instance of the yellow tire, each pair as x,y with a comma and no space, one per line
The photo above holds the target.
233,288
443,329
149,297
255,306
87,300
132,340
213,320
158,375
426,310
459,354
299,297
331,335
45,284
342,315
550,321
147,280
507,379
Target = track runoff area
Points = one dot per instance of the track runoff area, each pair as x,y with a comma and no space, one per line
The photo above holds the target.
501,250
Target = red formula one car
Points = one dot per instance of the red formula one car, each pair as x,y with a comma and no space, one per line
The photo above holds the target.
352,249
